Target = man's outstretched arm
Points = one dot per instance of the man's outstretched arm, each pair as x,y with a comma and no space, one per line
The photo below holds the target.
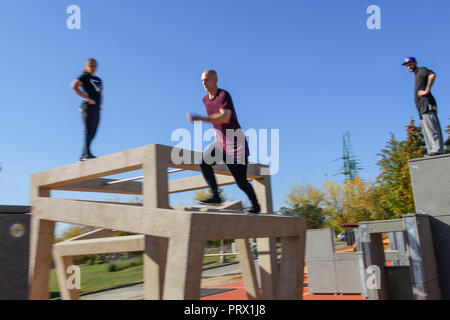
223,116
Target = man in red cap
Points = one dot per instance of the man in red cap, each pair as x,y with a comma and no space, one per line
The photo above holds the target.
427,106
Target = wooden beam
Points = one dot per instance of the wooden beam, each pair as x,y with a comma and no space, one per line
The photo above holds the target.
128,218
99,246
94,168
101,185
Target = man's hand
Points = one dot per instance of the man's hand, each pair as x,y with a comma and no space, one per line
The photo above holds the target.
192,117
421,93
90,101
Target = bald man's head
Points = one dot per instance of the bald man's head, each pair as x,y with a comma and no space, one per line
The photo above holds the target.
209,80
211,73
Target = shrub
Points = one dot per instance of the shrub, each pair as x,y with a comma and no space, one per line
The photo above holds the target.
112,267
98,260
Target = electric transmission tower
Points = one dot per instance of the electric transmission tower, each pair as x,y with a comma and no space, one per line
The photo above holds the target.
350,165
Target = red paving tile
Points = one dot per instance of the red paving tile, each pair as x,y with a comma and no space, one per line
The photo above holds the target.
239,293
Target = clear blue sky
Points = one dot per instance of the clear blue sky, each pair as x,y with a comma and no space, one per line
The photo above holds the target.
311,69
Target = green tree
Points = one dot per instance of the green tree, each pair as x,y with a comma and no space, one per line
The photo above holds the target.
306,194
354,200
306,201
73,231
396,196
334,204
447,142
315,217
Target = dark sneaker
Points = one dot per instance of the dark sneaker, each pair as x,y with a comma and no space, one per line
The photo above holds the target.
213,200
91,157
84,158
254,210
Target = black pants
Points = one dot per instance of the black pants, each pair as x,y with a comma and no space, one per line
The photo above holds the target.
91,119
239,172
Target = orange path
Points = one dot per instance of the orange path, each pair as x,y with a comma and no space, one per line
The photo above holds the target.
239,290
239,293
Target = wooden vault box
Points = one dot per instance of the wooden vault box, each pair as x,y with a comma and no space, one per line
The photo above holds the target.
172,240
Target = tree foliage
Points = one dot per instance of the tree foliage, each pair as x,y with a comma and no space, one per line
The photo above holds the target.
315,217
352,201
72,232
205,194
394,180
355,200
447,142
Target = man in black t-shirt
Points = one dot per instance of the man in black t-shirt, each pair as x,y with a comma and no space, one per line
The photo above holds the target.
92,87
427,106
92,94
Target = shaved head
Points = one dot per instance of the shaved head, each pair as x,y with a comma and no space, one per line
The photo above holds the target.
211,73
209,80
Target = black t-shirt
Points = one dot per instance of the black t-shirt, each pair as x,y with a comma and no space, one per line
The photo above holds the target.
92,86
423,103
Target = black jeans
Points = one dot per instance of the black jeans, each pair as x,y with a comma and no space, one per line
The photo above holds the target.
238,171
91,119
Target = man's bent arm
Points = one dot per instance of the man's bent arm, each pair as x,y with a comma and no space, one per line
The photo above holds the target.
431,79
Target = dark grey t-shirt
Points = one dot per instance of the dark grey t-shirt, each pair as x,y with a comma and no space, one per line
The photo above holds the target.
423,102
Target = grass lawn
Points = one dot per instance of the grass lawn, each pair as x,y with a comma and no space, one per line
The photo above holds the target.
96,277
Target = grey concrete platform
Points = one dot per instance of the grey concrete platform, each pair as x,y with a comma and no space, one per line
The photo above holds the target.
430,179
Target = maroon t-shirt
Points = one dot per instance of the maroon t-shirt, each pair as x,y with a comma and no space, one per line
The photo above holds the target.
233,140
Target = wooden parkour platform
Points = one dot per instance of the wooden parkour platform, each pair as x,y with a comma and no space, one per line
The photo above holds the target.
172,238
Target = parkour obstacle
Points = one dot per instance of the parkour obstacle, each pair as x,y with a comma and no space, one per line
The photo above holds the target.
431,186
420,243
420,246
172,239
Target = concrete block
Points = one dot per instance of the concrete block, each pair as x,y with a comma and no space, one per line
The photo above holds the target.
347,274
441,236
319,244
14,254
399,283
330,272
421,254
430,178
322,277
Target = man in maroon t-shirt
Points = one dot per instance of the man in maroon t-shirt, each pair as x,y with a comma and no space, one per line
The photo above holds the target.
230,145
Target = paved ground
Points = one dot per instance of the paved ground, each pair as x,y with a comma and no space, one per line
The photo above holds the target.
214,276
223,283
